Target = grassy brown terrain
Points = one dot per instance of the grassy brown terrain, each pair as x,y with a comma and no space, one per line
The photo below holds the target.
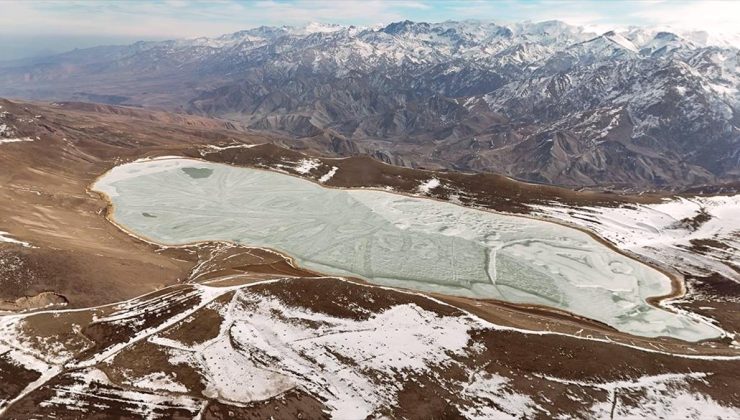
44,184
562,374
78,259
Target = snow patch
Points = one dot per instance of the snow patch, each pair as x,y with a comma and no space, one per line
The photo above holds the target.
265,348
79,396
664,231
159,381
327,176
501,403
427,186
4,237
16,140
233,146
307,165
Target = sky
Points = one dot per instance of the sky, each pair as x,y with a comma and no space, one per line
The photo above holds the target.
33,27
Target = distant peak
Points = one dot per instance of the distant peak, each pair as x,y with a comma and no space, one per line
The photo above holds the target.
666,35
313,27
619,40
402,26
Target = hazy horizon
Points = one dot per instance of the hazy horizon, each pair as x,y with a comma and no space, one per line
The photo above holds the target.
34,28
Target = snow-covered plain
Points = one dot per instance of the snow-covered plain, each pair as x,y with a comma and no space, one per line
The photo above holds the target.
665,398
395,240
264,349
78,398
665,231
353,362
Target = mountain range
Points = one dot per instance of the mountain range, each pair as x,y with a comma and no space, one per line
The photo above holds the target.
544,102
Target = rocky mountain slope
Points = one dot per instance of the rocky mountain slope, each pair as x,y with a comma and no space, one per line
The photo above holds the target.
545,102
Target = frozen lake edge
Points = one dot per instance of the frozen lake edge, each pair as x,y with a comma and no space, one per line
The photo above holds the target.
394,240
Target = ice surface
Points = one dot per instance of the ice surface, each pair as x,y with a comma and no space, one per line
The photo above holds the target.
395,240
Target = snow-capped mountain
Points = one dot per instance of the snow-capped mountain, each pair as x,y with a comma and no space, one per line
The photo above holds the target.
542,101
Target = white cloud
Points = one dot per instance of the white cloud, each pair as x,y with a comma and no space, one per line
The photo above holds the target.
720,16
179,18
176,18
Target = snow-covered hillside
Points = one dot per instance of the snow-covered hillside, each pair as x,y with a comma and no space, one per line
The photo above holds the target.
697,235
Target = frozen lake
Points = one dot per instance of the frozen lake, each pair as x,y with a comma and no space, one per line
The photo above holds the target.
394,240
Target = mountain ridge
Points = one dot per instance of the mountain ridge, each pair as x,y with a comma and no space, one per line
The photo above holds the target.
545,102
